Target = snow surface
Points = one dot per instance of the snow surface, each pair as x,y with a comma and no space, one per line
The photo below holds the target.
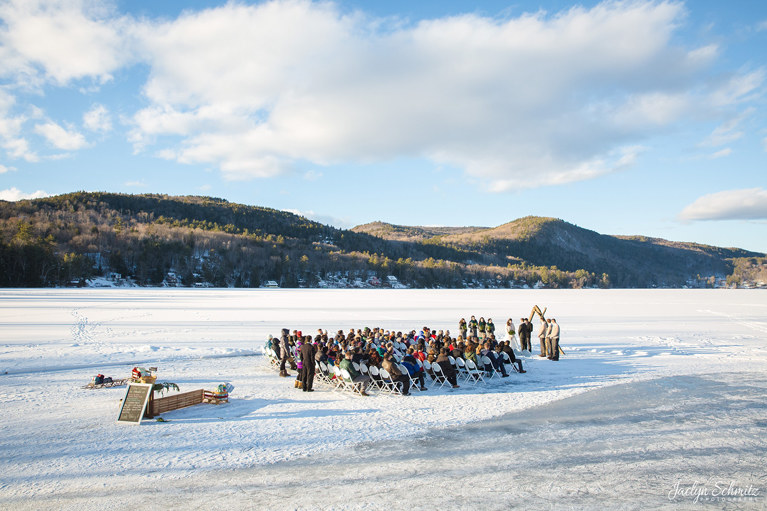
658,387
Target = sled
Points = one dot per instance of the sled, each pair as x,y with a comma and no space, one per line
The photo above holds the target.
113,383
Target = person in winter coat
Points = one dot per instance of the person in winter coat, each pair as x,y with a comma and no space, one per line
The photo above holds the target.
470,353
307,354
495,360
299,363
548,339
396,374
529,336
553,335
360,379
505,347
413,368
462,327
284,351
542,337
481,325
447,368
473,326
490,327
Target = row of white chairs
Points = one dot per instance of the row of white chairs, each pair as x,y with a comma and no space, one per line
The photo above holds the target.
465,370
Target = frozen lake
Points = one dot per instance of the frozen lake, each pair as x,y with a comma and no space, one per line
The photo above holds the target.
660,396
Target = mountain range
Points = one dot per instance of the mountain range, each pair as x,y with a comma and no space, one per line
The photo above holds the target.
153,239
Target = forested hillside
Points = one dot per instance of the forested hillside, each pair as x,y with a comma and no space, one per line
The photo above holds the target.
162,240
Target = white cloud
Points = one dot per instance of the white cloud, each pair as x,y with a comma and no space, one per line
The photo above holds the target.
722,153
11,139
747,204
97,119
60,41
14,194
4,169
312,175
135,184
254,89
61,138
259,90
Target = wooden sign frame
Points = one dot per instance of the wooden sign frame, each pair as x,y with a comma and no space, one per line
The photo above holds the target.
135,400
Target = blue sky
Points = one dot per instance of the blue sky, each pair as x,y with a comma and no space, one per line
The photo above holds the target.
625,117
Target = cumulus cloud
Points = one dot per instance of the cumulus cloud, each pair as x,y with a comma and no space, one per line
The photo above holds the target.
746,204
4,169
61,138
11,137
260,90
97,119
14,194
254,90
60,41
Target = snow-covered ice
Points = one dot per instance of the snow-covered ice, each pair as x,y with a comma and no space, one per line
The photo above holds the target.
658,388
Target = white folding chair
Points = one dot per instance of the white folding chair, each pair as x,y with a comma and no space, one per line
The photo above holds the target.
349,383
389,384
439,376
375,377
413,382
508,364
319,373
460,367
475,375
490,367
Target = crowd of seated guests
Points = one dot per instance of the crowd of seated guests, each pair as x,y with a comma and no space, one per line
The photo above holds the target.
384,349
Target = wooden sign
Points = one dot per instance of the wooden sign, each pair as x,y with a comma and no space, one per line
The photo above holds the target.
134,403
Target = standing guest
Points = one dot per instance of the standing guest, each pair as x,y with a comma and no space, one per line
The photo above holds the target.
473,326
299,363
549,329
529,336
462,327
307,354
542,337
511,330
490,328
554,339
481,327
524,330
447,368
284,352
